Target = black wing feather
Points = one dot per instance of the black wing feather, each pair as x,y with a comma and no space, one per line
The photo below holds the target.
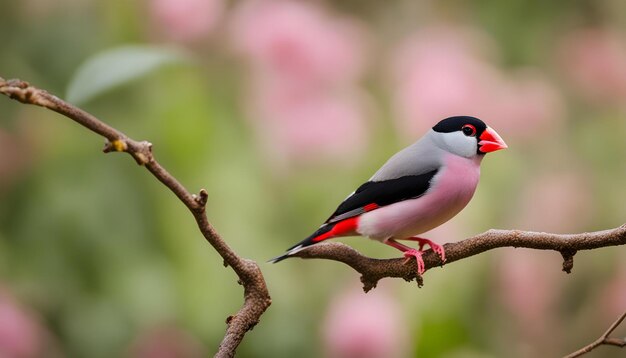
382,193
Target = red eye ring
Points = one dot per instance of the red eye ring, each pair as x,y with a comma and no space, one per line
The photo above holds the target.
469,130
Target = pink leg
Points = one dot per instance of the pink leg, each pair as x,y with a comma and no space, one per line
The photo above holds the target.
409,252
436,247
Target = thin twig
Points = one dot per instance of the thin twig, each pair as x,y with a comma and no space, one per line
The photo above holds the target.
603,340
256,295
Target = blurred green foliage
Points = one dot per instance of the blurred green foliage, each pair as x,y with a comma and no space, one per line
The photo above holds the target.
102,252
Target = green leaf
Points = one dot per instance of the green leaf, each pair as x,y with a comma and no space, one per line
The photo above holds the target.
118,66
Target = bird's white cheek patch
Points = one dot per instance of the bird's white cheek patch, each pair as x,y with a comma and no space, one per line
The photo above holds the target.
460,144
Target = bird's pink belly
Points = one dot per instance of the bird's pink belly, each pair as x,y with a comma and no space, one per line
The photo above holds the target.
453,190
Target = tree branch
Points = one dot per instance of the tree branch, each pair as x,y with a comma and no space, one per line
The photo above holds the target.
373,270
603,340
256,295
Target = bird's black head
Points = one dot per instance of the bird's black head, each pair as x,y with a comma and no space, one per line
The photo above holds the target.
470,126
456,128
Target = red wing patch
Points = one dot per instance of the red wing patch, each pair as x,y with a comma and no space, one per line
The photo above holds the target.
341,228
370,207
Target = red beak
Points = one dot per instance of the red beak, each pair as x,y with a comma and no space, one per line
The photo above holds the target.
490,141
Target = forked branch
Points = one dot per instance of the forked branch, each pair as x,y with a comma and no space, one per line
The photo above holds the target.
603,340
256,295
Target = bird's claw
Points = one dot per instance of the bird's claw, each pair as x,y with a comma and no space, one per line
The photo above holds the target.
418,257
438,249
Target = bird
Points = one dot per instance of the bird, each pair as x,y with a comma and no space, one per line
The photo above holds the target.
416,190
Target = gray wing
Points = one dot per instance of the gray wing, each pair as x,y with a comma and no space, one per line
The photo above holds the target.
420,157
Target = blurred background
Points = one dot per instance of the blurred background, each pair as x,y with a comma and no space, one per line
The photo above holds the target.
280,109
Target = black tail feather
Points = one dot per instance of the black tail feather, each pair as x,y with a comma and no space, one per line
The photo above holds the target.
279,258
302,244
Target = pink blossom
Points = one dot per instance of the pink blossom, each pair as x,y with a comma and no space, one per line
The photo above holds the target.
531,289
303,100
166,342
559,202
594,59
185,20
365,326
613,296
299,41
445,71
21,335
311,126
528,106
437,73
530,285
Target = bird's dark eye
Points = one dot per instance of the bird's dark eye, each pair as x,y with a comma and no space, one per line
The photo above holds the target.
469,130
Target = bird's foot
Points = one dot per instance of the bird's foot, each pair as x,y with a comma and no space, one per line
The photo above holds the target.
418,257
438,249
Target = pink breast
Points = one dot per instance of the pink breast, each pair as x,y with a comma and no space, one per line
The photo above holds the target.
452,189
